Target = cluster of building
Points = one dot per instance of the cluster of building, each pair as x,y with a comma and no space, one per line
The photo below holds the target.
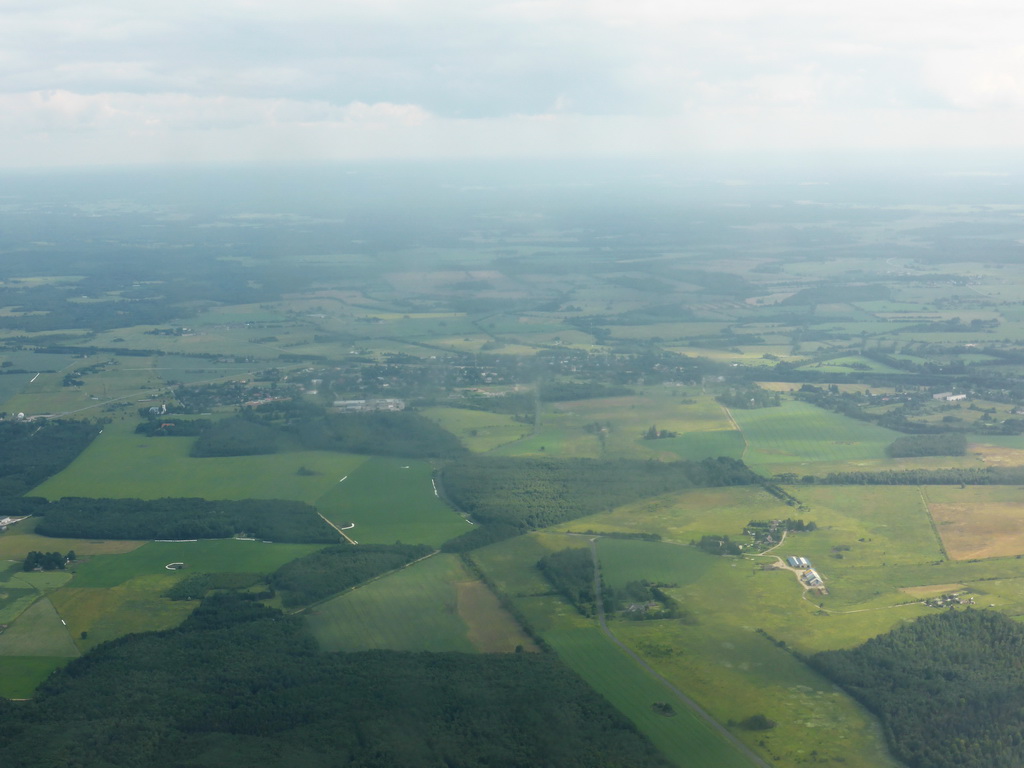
384,404
810,577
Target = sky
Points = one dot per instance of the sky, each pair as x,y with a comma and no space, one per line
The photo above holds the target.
124,82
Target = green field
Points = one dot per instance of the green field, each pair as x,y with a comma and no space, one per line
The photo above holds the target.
208,556
20,675
391,500
684,738
38,631
796,436
478,430
121,464
414,609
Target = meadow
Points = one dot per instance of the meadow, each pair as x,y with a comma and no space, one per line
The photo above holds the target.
122,464
431,605
391,500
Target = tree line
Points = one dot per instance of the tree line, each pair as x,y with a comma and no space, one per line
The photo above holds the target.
239,684
183,518
948,688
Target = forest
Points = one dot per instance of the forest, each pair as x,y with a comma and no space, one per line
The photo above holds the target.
183,518
528,493
31,451
260,693
334,569
377,433
948,688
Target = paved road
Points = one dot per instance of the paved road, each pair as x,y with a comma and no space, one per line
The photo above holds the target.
690,703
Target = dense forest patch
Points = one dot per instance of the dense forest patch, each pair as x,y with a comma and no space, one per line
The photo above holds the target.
238,684
948,688
331,570
948,444
377,433
31,451
528,493
184,518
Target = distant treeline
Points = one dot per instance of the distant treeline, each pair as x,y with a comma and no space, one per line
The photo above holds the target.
31,451
238,685
378,433
948,444
948,688
334,569
972,476
184,518
521,494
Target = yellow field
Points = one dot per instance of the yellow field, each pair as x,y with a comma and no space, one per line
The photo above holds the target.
971,530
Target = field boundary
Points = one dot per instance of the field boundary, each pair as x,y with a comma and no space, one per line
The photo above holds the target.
692,705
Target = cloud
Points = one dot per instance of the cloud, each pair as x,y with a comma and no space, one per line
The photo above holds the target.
505,76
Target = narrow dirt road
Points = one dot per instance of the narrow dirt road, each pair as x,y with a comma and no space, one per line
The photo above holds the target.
690,703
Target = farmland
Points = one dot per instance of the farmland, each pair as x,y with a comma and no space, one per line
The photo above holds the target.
556,350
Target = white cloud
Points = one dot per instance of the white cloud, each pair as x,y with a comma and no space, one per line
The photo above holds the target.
504,76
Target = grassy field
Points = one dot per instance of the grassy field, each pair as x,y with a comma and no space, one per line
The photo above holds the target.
38,631
796,436
414,609
20,675
580,643
479,431
121,464
391,500
209,556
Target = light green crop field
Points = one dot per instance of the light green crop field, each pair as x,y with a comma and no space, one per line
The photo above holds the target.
684,738
208,556
688,515
479,431
121,464
391,500
106,614
796,436
413,609
38,631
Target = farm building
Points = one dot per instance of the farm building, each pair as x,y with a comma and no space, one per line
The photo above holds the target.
798,562
812,579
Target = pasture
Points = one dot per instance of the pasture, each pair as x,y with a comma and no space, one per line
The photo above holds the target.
795,437
38,631
207,556
122,464
479,431
413,609
21,675
391,500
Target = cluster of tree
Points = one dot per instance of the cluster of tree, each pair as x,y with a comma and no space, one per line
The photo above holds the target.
31,451
571,573
47,561
947,444
718,545
948,688
643,601
967,476
170,426
184,518
752,396
378,433
258,692
527,493
658,434
331,570
198,585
